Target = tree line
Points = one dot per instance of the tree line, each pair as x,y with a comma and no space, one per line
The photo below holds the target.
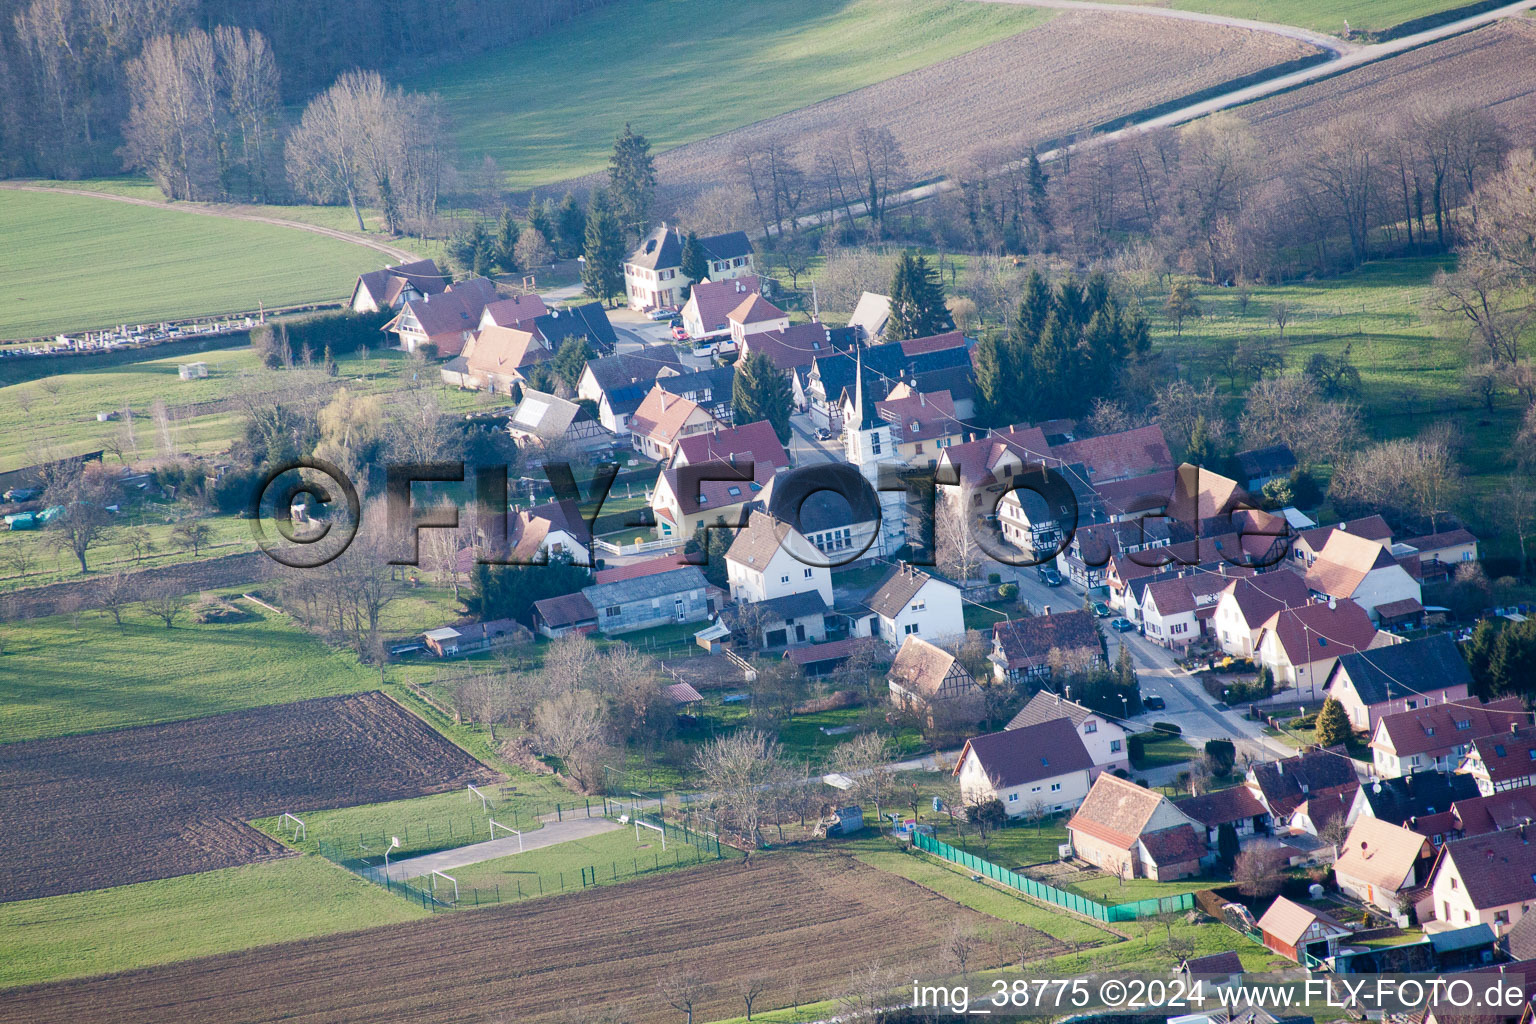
65,65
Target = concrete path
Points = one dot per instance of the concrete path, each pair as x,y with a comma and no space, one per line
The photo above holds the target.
1321,40
552,833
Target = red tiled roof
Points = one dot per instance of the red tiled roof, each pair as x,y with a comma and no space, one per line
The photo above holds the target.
714,300
1369,527
1430,543
649,567
1174,845
793,348
1316,632
662,415
1222,807
975,460
717,494
1116,810
1434,727
837,649
506,312
1502,810
1259,597
754,309
1495,869
1018,756
1508,755
504,350
756,441
1028,642
921,416
565,610
1288,921
1130,453
932,343
1136,494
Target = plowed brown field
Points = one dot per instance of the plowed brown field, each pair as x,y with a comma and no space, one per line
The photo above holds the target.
1493,68
109,808
820,916
1076,71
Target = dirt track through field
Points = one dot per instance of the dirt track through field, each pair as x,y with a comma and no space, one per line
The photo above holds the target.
567,958
1076,71
111,808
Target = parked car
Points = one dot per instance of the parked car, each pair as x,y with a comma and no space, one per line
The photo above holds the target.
1152,702
1122,625
679,332
662,313
1101,609
1049,576
823,434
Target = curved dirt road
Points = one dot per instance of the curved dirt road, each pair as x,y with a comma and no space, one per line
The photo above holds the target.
1333,44
233,213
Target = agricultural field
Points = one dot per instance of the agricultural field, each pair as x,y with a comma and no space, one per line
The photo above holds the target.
1320,15
1074,72
183,791
1488,67
65,674
171,919
518,962
695,75
148,264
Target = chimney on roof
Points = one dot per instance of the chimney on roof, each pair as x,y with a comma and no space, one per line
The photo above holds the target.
1046,609
1514,727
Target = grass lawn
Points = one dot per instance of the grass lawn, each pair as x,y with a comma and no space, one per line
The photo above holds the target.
59,676
1111,890
424,824
682,70
1160,749
1011,847
58,413
147,264
194,915
615,856
1322,15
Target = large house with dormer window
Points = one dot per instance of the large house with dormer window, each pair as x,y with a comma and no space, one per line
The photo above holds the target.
653,274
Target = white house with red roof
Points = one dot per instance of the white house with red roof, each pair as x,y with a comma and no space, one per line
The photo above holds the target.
1436,736
769,559
1174,612
683,502
754,441
1134,832
511,312
1299,646
1488,879
709,302
1119,456
1042,767
392,287
1306,545
1249,602
447,319
1355,568
754,314
1503,761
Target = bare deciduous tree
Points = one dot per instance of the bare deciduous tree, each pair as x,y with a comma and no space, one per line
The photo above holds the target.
866,760
684,991
1258,871
166,604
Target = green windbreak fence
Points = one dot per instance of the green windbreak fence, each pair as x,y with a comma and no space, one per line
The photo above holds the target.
1049,893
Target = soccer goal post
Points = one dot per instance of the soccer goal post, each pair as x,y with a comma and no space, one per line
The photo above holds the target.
510,831
474,791
654,828
299,831
448,878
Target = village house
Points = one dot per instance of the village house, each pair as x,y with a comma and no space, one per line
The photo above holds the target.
1322,807
870,315
709,302
393,287
1095,546
1216,970
1383,864
1035,516
549,530
1249,602
795,348
1509,808
474,637
678,595
753,315
685,500
1039,769
1104,738
1175,612
1123,455
1487,879
783,621
495,359
653,273
1403,676
553,427
769,559
1354,568
709,389
554,617
1440,553
1435,736
619,383
1134,832
930,364
1237,807
1502,761
663,420
1260,466
446,319
1022,649
1299,646
755,442
909,602
1422,802
1305,935
514,311
843,529
1282,785
921,426
1309,543
923,676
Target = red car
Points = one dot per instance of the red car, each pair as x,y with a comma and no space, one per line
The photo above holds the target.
679,332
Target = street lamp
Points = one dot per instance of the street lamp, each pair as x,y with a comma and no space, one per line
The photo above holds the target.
1125,706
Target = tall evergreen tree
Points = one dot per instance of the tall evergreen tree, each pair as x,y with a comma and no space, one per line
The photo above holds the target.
1039,201
602,272
570,224
1071,303
761,392
632,180
538,217
505,245
1034,309
993,385
1054,363
917,300
695,263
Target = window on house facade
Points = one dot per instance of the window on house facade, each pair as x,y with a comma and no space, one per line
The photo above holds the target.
783,579
910,630
614,612
1090,727
1114,746
1013,798
808,573
1055,787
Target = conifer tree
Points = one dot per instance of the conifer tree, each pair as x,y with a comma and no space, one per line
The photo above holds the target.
632,181
602,273
695,264
761,392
